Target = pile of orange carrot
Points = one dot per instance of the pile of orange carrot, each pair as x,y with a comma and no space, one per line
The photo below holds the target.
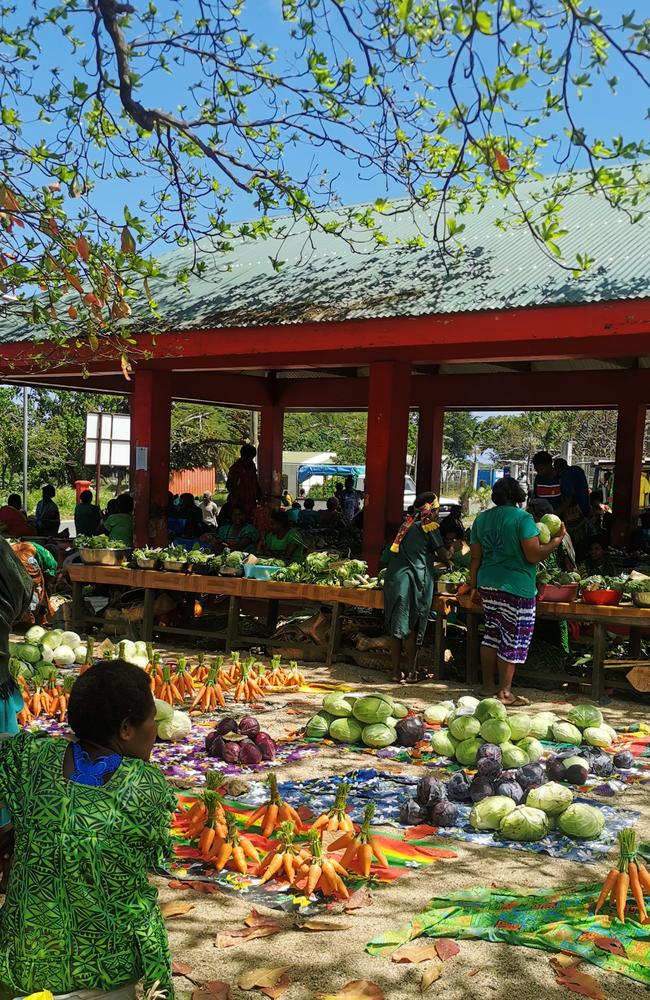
631,873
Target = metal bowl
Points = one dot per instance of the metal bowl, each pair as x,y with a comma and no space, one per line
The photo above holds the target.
447,588
641,598
146,563
172,566
104,557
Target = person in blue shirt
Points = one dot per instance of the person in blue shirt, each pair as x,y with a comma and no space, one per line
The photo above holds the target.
573,487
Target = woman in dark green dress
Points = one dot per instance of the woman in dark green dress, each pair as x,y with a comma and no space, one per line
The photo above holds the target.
408,584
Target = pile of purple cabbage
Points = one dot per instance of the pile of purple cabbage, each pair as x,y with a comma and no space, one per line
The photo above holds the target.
436,801
240,742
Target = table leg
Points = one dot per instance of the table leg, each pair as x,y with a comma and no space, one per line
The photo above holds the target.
599,652
77,606
272,613
439,642
635,643
233,623
473,650
147,614
334,636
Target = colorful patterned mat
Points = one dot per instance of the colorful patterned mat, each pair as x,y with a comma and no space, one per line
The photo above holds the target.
387,791
186,864
552,920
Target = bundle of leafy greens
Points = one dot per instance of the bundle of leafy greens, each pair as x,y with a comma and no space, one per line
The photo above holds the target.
556,577
99,542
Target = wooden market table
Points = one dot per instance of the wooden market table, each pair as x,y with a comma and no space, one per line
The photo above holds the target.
235,588
637,619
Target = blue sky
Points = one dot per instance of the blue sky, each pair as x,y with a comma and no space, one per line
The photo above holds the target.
601,112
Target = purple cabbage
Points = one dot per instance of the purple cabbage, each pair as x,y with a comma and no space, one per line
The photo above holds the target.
411,813
230,751
429,791
555,769
249,726
576,774
265,745
443,813
458,787
601,765
531,776
249,753
228,724
214,744
480,788
409,731
512,790
488,760
623,760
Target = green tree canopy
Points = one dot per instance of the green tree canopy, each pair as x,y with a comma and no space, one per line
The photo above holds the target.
178,111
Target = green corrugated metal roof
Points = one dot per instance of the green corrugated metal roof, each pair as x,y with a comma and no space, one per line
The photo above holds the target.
325,279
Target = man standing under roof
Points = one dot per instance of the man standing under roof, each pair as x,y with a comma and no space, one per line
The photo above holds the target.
546,485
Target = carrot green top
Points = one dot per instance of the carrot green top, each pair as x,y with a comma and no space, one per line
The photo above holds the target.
80,913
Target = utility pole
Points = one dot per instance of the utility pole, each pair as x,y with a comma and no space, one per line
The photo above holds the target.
25,443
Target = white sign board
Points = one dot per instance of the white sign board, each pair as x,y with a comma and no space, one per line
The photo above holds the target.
110,434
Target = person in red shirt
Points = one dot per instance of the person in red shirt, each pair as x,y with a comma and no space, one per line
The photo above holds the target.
13,523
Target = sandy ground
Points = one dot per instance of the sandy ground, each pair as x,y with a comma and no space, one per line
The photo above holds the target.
324,962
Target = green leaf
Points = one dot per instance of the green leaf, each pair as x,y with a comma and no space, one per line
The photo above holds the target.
483,22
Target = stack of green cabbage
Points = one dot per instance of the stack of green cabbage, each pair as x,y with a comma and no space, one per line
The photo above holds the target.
329,570
374,720
43,649
471,723
171,724
548,807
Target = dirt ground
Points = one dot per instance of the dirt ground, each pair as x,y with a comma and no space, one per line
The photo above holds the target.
325,962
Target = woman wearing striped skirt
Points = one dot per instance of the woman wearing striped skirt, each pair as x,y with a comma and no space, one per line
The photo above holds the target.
505,550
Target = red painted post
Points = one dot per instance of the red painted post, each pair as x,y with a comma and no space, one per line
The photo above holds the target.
627,469
431,425
150,434
388,415
269,458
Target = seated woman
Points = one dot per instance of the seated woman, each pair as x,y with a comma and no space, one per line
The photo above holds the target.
118,524
239,534
283,541
92,818
36,561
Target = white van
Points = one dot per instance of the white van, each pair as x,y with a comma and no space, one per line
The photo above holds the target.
409,494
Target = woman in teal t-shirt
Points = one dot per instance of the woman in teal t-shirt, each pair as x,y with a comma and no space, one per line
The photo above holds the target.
505,550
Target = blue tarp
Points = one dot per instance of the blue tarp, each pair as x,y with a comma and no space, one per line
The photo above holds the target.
307,471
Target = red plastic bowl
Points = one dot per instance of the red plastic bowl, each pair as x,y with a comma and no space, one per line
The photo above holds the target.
559,595
602,597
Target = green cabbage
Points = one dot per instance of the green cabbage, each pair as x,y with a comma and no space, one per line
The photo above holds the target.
346,730
597,736
583,716
581,820
27,652
438,713
544,534
468,701
464,726
519,726
467,750
552,798
337,704
495,731
491,708
163,710
552,522
565,732
444,744
372,708
541,723
319,726
399,711
35,634
488,813
52,638
524,824
512,756
378,735
532,747
176,728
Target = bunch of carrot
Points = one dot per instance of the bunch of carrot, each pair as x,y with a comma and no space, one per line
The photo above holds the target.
233,850
167,690
273,813
336,818
183,678
248,689
303,866
210,694
360,848
630,874
195,819
49,700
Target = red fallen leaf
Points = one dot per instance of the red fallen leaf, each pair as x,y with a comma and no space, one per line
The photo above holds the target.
177,884
420,832
581,983
181,969
280,987
612,945
257,919
446,948
214,989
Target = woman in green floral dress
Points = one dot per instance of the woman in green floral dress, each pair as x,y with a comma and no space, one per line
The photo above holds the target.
90,820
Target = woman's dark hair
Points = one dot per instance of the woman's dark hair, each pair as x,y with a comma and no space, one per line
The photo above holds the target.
248,451
111,507
48,492
423,498
13,500
105,696
124,504
308,504
507,491
332,504
281,519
